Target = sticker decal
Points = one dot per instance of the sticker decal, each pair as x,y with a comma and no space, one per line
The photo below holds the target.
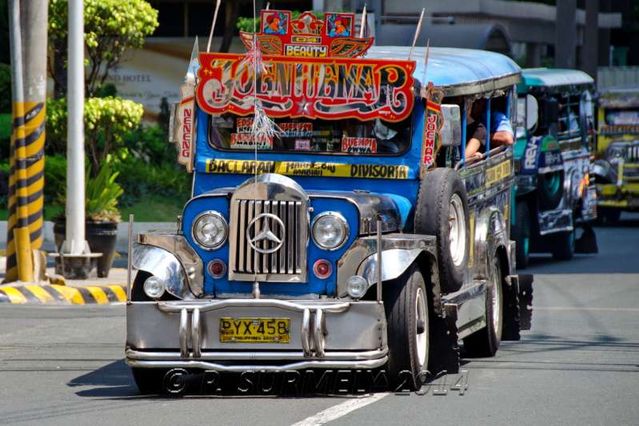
249,141
359,145
307,168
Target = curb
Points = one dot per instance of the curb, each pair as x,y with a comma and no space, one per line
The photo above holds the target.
62,295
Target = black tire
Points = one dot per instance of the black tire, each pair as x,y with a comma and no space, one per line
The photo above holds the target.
521,234
437,192
404,327
485,342
563,245
608,215
149,380
550,187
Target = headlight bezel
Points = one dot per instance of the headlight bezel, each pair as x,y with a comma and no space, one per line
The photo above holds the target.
225,233
344,224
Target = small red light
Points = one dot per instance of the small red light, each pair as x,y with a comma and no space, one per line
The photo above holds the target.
217,268
322,269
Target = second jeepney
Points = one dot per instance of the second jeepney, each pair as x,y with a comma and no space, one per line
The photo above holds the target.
353,236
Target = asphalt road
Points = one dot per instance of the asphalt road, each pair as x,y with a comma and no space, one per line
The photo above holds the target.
578,365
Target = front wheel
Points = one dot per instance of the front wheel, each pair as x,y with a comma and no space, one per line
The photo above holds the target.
406,304
563,245
521,234
485,342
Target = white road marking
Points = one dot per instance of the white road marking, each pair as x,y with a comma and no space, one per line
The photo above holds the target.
340,410
585,308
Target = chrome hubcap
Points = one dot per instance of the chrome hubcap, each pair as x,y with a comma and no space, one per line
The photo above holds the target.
457,230
496,299
421,327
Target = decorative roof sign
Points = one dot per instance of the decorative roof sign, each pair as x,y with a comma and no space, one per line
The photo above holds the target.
309,68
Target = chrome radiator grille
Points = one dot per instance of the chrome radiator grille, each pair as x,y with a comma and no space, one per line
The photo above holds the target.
268,240
632,153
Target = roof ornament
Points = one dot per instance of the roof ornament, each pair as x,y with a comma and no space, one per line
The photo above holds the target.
417,31
217,8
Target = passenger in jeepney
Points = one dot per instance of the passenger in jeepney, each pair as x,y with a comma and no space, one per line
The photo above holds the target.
501,131
475,129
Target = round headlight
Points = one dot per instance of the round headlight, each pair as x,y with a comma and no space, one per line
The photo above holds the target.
356,286
154,287
210,230
330,230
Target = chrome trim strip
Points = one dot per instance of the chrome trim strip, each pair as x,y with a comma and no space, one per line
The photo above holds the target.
195,333
132,354
305,332
212,305
183,333
374,363
319,342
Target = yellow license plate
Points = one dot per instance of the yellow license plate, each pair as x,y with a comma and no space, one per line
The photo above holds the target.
255,330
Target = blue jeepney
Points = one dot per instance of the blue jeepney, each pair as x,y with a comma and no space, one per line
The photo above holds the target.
355,236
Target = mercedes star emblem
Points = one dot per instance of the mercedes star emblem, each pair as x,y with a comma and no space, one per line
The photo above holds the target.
275,240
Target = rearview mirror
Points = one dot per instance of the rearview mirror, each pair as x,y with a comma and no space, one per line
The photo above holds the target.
528,109
451,129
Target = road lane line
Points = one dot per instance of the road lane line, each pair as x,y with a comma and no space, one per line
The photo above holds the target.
340,410
583,308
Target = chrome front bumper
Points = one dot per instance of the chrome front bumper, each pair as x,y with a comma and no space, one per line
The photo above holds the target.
324,334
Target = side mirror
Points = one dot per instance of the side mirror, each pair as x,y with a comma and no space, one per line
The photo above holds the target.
451,129
528,109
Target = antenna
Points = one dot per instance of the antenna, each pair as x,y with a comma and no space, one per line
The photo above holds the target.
217,8
417,31
361,28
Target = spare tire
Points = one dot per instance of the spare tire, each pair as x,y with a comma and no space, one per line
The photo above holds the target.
442,211
550,187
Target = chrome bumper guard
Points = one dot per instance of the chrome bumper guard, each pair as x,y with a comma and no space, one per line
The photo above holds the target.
193,332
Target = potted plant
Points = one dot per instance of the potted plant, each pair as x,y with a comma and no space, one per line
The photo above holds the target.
102,217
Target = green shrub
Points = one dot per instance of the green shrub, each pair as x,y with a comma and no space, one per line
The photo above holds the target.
5,89
110,28
55,179
107,121
150,143
139,178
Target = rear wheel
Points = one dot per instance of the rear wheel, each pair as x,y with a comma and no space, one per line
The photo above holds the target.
442,210
486,341
521,234
550,189
608,216
563,245
406,304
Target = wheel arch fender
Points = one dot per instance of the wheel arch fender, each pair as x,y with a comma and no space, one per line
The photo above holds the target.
491,234
162,264
400,261
603,171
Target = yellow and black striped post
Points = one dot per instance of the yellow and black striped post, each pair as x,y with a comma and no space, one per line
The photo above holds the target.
26,178
26,190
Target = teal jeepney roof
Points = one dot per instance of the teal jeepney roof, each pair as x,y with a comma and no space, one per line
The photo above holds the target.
457,71
553,77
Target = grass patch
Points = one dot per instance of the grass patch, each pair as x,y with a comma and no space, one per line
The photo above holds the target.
151,208
155,208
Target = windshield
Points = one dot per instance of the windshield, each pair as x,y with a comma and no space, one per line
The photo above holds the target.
622,117
348,136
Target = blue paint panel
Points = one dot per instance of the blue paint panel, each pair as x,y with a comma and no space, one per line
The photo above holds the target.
314,285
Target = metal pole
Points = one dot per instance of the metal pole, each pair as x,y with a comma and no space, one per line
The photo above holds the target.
379,258
75,243
18,227
129,266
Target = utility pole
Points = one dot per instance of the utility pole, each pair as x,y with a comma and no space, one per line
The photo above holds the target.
75,250
28,34
566,34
